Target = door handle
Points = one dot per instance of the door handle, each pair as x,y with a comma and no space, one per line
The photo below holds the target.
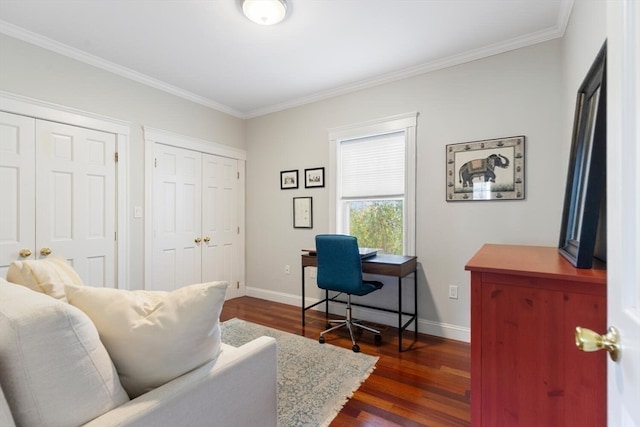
25,253
198,240
207,239
45,251
588,340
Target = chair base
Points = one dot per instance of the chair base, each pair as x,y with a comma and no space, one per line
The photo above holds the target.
351,324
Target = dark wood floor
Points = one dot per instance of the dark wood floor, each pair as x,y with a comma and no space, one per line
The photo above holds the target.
428,385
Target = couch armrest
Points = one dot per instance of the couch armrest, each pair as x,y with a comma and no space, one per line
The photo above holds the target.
239,388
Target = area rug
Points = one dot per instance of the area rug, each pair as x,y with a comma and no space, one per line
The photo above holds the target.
314,380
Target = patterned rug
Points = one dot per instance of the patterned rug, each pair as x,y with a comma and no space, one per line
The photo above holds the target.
314,380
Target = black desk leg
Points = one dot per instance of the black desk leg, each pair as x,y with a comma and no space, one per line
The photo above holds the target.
399,314
303,308
415,303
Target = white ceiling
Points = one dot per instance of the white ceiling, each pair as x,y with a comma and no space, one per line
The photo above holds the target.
208,52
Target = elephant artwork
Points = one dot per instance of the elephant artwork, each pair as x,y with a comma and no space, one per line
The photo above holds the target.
471,169
482,168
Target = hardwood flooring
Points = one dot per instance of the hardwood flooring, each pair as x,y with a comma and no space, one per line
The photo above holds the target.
428,385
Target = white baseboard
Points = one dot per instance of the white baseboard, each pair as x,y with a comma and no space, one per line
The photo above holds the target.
429,327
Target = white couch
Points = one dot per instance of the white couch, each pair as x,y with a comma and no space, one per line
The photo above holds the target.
238,389
55,371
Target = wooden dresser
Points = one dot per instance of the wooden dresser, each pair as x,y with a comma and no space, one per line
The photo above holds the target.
526,302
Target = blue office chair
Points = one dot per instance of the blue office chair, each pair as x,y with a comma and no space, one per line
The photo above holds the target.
340,270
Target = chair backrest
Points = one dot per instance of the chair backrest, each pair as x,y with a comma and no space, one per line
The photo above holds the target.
339,264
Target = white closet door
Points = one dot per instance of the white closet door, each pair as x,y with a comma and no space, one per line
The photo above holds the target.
17,186
220,255
76,199
177,218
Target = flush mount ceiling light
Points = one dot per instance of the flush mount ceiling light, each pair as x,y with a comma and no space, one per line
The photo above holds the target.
265,12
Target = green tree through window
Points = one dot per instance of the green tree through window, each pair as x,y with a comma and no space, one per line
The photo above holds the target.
377,224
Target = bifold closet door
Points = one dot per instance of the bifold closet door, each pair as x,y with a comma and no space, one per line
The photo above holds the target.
177,217
76,199
195,219
58,186
220,254
17,189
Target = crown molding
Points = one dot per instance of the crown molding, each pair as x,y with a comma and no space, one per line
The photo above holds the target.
516,43
79,55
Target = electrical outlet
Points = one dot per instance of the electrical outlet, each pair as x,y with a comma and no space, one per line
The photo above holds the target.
313,272
287,269
453,292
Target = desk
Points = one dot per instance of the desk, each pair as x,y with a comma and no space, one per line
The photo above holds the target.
387,265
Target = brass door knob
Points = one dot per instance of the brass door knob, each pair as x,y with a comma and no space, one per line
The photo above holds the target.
588,340
25,253
198,240
45,251
207,239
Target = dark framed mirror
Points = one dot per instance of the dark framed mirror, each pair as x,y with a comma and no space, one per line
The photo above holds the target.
586,179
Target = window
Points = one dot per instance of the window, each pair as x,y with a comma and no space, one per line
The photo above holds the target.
373,190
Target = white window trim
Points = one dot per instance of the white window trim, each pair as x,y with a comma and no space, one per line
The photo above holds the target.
402,122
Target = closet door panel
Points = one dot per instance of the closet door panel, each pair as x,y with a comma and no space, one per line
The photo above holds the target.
17,186
177,218
229,235
212,183
211,259
220,223
76,199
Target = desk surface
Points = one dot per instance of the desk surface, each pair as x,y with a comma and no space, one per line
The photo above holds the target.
388,265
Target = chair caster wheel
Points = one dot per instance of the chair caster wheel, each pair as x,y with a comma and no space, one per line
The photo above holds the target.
378,339
356,348
328,325
321,340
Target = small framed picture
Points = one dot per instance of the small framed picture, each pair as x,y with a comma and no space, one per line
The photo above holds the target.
288,180
314,177
302,212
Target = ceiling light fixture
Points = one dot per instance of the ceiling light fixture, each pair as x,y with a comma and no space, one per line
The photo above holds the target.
265,12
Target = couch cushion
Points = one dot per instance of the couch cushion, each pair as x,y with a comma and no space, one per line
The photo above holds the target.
44,275
154,336
54,370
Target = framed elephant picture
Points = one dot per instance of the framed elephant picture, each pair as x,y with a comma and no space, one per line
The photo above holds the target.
492,169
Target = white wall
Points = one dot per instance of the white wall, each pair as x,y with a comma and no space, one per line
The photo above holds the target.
37,73
529,92
516,93
583,38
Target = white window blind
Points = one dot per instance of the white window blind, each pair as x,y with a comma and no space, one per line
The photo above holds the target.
373,166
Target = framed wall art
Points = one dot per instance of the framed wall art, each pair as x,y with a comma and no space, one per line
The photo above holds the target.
288,180
583,228
314,177
302,212
492,169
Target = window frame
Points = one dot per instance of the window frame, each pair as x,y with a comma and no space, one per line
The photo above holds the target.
401,123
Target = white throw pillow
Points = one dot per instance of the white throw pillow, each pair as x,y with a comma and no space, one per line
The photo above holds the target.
54,370
44,275
154,336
